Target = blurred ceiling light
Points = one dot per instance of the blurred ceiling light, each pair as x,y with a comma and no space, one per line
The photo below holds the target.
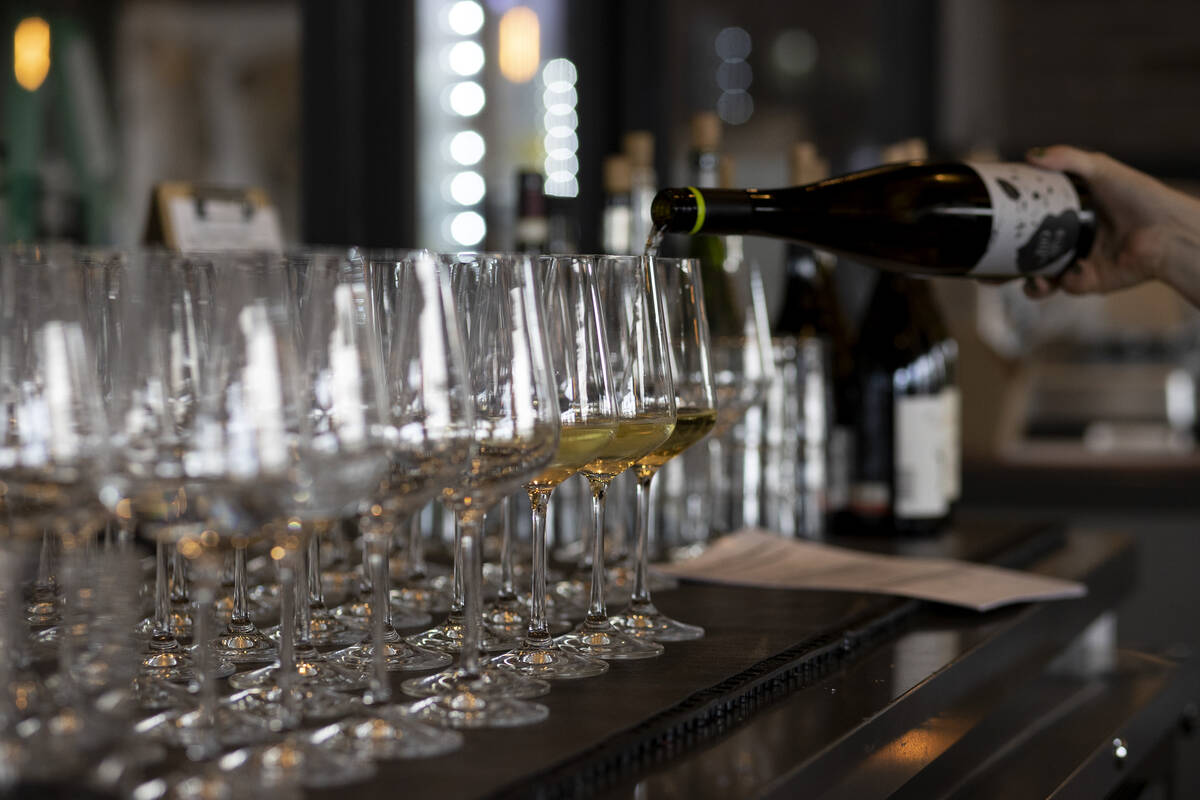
520,43
559,74
467,228
467,148
465,17
31,52
552,120
734,76
465,58
735,107
794,52
466,98
733,44
467,188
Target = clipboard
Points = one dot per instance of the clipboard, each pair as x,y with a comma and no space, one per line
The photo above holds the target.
189,217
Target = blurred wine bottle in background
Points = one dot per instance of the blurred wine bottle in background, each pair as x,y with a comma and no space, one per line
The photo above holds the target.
616,226
643,185
899,420
533,224
812,346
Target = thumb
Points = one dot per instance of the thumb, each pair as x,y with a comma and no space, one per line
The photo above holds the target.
1066,159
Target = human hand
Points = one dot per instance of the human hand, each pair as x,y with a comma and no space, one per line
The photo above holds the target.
1145,230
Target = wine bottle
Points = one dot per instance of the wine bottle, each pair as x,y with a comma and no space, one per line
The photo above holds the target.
533,226
899,418
943,351
618,219
643,183
812,309
726,317
947,218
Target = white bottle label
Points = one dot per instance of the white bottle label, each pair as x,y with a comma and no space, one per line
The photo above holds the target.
952,476
1035,221
919,450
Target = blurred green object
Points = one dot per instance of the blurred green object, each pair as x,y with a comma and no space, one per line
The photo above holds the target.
72,97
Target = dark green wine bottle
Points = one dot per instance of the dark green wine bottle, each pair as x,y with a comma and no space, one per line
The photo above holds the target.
981,220
898,484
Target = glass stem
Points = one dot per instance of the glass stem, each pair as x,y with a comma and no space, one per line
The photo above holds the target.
381,613
45,573
316,591
416,550
539,628
303,618
287,633
240,620
470,529
179,580
163,634
596,611
382,580
641,588
205,666
508,590
457,600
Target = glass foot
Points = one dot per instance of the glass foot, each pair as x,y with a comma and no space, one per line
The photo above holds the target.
244,645
507,618
324,631
602,640
547,661
401,657
472,711
297,762
447,637
311,671
313,702
188,729
387,733
181,624
173,664
491,682
421,595
357,614
644,621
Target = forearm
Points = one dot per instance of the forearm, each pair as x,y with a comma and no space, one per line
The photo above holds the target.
1179,267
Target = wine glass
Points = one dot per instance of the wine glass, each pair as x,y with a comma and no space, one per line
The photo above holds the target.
53,443
157,348
515,429
696,404
742,365
646,415
431,414
578,346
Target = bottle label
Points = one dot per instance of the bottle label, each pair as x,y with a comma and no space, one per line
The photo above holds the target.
919,451
952,477
1035,220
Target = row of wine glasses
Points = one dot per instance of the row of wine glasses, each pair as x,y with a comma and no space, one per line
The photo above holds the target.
217,405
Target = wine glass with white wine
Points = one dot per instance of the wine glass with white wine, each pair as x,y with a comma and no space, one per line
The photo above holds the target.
576,336
646,416
696,403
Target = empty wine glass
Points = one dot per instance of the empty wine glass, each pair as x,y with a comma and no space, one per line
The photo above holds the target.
515,429
578,346
696,405
646,413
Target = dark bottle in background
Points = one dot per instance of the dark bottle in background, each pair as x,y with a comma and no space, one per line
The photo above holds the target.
726,314
948,218
643,185
533,223
899,417
616,226
812,308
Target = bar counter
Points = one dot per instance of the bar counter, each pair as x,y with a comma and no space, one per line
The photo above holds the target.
854,695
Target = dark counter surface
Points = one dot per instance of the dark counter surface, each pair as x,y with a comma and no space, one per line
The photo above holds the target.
788,688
